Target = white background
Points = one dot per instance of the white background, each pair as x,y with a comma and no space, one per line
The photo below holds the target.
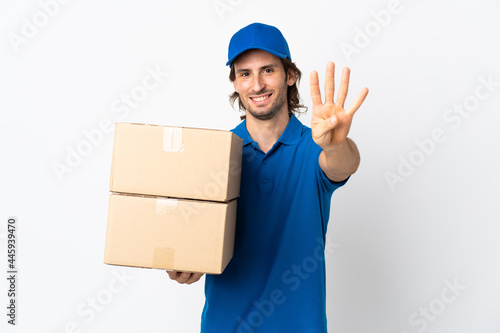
397,247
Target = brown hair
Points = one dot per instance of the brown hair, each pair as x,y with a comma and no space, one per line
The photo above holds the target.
293,97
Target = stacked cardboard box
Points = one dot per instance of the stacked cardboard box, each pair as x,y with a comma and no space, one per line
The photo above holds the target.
173,200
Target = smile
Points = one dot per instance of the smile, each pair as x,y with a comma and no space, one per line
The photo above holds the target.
260,98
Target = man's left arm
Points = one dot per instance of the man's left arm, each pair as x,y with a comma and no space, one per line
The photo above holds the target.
331,123
339,164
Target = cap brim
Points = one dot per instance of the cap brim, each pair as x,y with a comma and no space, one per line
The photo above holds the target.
278,54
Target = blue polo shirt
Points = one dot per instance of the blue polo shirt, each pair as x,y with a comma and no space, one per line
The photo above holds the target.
275,281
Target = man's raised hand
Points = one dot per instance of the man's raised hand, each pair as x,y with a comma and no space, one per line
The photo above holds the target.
330,121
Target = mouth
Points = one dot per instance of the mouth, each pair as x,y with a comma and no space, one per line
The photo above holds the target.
260,99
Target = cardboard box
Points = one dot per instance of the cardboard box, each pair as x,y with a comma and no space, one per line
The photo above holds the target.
176,162
165,233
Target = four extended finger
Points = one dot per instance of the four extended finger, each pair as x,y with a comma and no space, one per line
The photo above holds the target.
314,88
329,82
357,102
344,87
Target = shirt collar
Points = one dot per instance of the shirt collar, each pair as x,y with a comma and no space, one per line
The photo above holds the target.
293,131
290,136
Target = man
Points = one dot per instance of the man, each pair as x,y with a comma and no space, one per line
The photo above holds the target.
276,281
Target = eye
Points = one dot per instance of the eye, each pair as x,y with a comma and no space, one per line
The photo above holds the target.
244,74
268,70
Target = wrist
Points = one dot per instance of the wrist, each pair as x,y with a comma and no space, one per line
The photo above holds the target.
333,148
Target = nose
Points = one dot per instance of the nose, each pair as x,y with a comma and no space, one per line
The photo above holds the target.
257,84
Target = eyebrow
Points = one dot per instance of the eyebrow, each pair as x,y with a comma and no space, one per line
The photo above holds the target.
261,68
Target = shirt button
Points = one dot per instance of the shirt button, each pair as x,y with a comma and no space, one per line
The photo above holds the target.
264,161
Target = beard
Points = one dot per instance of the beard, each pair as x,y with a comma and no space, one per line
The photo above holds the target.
273,109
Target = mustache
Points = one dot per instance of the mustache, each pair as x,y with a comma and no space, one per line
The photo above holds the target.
262,92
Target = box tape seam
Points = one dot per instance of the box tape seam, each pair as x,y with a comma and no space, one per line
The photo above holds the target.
163,257
165,205
172,139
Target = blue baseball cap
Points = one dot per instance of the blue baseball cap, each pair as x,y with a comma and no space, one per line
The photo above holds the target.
258,36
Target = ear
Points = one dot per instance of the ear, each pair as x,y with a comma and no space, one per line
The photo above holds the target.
291,77
234,85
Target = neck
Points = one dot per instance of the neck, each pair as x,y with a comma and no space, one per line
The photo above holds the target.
267,132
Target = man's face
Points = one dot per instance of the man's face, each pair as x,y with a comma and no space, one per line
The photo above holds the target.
261,83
